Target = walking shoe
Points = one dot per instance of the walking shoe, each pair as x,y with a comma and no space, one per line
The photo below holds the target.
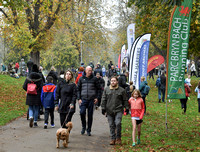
82,131
133,144
52,126
118,141
112,142
31,122
159,101
35,124
88,133
45,126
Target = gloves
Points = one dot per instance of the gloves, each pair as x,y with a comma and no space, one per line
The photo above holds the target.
103,111
127,111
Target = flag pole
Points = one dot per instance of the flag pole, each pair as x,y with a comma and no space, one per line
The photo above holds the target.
169,32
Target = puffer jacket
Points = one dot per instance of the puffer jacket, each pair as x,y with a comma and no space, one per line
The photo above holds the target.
48,95
137,107
88,88
66,92
114,100
141,88
30,98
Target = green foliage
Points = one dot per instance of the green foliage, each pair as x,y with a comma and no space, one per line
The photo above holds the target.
183,130
12,99
153,17
62,54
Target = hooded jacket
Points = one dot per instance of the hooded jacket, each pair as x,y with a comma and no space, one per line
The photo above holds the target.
141,88
48,95
30,98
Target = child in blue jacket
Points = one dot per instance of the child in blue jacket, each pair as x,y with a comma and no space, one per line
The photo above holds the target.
47,99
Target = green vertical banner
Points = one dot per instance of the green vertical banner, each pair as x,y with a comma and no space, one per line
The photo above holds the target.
178,42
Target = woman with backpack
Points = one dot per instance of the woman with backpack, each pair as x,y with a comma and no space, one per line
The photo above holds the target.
33,85
184,101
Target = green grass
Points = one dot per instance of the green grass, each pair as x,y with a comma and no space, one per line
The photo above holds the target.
12,98
183,132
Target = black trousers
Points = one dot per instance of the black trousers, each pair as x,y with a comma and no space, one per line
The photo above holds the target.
63,117
199,104
144,104
184,104
46,115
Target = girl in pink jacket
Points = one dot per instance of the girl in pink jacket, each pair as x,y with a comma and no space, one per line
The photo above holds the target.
137,112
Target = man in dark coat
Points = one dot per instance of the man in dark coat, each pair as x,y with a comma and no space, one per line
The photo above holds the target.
122,80
88,93
54,75
163,85
98,70
30,65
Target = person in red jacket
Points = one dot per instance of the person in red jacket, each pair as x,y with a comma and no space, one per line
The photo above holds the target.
137,112
16,67
80,73
187,94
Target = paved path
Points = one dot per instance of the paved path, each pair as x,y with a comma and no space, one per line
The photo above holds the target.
18,137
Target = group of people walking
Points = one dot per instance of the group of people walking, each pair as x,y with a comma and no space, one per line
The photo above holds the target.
60,94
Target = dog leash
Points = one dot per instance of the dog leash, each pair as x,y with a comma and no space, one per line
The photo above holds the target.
66,117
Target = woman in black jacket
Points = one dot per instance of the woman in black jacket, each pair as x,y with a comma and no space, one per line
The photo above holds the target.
33,100
66,92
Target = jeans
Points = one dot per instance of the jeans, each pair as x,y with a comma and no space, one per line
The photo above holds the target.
115,125
87,104
163,95
46,115
159,93
33,112
184,104
63,117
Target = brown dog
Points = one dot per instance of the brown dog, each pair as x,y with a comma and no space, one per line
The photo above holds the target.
63,134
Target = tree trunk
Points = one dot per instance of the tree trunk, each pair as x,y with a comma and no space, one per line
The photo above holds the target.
35,57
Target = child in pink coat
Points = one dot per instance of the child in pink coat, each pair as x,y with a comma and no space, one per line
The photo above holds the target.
137,112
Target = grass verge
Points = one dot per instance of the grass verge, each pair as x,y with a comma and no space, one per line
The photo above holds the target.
12,98
183,130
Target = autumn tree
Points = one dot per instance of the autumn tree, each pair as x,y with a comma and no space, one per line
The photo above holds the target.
34,18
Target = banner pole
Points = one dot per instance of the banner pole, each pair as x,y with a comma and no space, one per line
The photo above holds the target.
166,117
169,32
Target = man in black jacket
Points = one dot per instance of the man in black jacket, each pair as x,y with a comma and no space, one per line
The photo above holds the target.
88,93
122,80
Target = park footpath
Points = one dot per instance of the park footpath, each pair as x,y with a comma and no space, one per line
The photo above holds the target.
17,136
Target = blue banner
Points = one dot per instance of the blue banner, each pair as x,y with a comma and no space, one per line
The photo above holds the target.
143,60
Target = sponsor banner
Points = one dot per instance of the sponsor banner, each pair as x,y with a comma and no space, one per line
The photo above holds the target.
143,60
177,51
123,54
155,61
130,36
130,65
136,56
